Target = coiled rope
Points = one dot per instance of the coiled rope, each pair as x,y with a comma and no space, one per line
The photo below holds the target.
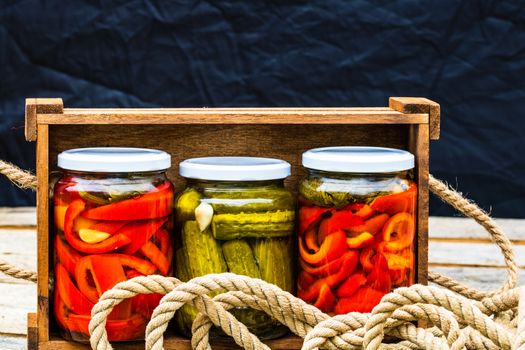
460,317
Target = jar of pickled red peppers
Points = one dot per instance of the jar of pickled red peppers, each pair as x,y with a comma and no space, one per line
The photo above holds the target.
357,224
113,221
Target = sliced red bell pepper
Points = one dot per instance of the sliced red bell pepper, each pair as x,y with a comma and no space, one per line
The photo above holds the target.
132,273
146,303
156,256
139,232
341,220
351,285
60,312
364,300
374,225
85,280
144,267
311,293
403,259
368,256
305,280
361,240
66,256
397,202
324,270
399,231
155,204
131,328
69,293
360,209
308,216
379,278
400,264
107,271
310,238
331,248
110,227
326,299
110,244
162,239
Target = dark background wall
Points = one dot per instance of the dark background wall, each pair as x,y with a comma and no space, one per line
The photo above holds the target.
467,55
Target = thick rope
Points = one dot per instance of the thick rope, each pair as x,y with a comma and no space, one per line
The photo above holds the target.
17,272
21,178
495,321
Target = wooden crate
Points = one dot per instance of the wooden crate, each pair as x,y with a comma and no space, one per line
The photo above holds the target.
408,123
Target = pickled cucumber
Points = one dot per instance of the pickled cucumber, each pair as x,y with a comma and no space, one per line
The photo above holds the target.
204,251
270,224
186,314
249,201
186,204
239,258
274,258
206,257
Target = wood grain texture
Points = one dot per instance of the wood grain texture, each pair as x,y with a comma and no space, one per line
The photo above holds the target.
286,142
460,229
419,146
419,105
36,106
32,331
172,343
16,218
231,116
42,202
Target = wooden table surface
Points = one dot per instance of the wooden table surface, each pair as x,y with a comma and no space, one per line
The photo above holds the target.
458,247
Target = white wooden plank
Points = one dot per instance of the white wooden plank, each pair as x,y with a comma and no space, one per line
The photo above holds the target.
466,228
21,216
480,278
16,301
475,254
12,342
18,247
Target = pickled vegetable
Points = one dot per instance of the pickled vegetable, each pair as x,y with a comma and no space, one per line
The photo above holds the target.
356,239
269,224
105,235
244,229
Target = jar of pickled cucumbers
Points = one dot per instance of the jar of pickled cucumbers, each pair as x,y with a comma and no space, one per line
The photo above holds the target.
112,219
357,212
235,216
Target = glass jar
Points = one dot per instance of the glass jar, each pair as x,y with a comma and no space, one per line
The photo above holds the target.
357,212
113,221
235,216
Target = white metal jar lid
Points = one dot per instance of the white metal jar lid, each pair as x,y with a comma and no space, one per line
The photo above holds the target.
358,159
114,159
234,168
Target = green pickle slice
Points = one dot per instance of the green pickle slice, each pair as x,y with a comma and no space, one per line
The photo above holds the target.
274,257
270,224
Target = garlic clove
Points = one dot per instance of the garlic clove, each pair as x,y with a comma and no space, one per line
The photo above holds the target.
203,215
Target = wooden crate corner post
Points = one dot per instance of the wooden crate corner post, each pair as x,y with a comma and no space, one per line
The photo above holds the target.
408,122
419,137
38,325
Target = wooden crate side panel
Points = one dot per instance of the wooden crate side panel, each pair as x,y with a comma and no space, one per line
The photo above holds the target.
419,146
173,343
42,170
286,142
